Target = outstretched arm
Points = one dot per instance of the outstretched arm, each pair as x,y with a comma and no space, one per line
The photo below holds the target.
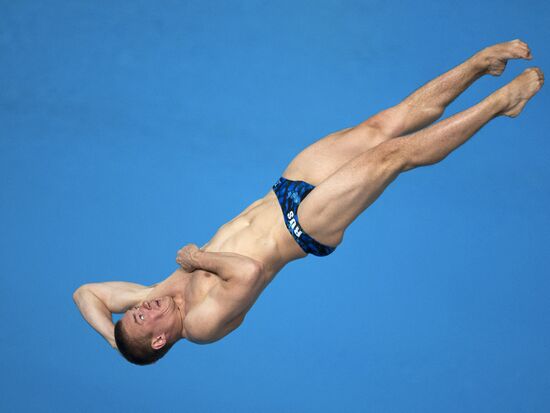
98,301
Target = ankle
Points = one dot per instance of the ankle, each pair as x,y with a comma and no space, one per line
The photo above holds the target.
498,101
479,63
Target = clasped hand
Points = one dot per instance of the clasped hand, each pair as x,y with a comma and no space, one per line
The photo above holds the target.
186,257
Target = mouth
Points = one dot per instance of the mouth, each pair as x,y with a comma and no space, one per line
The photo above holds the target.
162,304
158,305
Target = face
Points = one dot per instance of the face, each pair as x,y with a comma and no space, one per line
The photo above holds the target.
152,318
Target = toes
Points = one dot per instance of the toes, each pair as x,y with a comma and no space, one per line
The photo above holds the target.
526,53
519,42
522,49
541,75
538,72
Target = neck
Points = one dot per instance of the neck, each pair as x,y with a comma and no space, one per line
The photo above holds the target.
180,304
175,286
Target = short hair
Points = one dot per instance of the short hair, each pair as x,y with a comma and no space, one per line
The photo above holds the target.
137,351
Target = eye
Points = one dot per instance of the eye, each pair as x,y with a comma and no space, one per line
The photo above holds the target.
141,317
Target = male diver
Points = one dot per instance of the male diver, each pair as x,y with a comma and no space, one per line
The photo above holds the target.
307,211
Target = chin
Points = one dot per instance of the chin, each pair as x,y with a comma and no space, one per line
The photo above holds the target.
170,305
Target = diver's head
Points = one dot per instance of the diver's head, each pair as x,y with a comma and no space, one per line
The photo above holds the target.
147,331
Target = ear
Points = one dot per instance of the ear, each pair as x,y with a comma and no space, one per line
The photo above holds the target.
158,341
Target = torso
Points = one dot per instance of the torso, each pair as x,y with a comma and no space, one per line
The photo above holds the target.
258,232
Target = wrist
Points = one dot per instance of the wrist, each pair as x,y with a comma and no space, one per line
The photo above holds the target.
195,256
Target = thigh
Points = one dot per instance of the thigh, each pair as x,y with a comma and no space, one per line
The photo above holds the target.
324,157
328,210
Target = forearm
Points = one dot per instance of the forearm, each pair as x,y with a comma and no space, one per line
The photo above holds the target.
226,265
95,313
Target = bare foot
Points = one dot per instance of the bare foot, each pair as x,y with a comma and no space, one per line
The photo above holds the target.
494,58
516,93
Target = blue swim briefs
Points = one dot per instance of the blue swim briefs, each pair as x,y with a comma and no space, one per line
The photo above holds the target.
290,194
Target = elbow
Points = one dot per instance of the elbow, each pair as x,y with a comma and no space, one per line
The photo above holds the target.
253,274
77,294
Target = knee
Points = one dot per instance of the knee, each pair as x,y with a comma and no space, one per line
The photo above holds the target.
392,156
406,117
390,122
371,132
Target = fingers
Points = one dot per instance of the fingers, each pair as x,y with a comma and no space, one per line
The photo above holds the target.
187,249
183,257
184,265
192,246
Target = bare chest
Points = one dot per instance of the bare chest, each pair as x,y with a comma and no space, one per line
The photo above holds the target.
190,288
258,232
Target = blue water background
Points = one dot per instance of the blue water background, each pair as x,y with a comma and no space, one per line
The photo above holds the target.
124,127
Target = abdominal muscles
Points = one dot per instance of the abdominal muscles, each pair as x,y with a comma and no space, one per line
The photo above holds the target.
256,233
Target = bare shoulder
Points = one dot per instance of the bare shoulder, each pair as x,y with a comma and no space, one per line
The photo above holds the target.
218,303
206,323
